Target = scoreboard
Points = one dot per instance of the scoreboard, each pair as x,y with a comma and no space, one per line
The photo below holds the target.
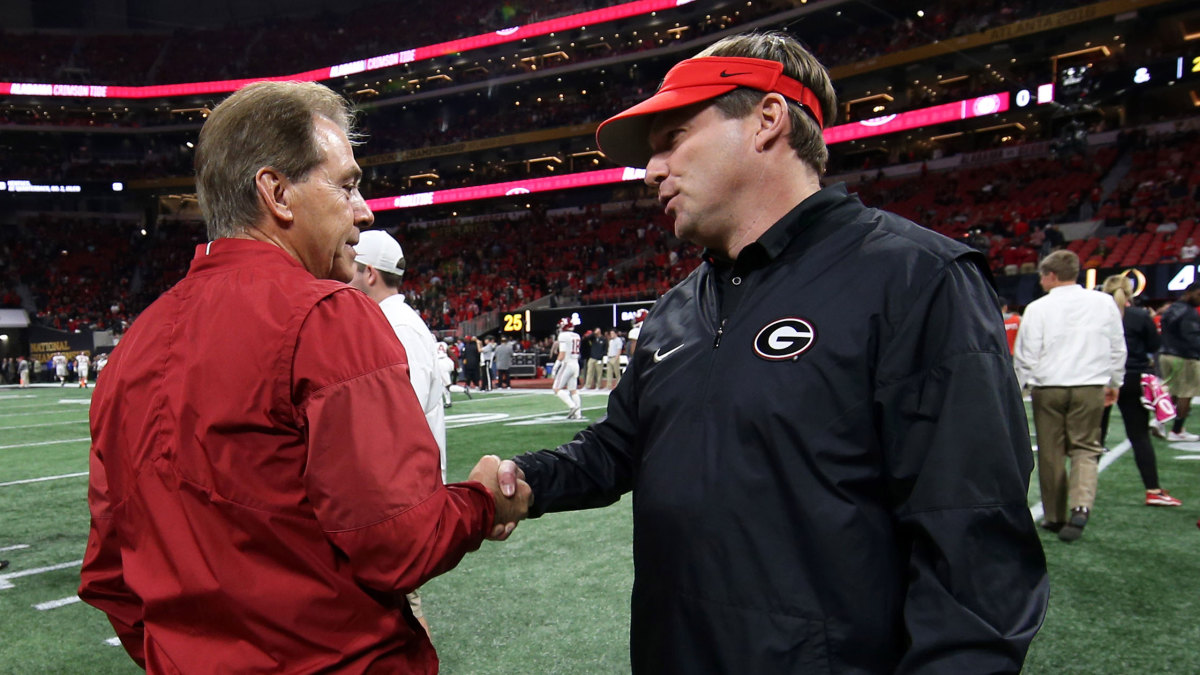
544,321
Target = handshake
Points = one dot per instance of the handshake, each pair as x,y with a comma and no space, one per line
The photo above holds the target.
506,482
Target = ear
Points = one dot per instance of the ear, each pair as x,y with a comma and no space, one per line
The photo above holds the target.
774,122
274,194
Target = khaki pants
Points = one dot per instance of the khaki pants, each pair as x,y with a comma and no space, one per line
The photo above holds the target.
591,377
613,368
1067,420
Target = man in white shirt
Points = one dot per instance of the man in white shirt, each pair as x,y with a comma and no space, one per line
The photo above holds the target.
378,271
1071,350
616,346
566,369
1189,251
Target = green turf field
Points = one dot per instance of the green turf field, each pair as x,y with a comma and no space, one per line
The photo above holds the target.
555,597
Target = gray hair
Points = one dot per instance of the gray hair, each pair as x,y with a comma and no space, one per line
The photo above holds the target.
264,124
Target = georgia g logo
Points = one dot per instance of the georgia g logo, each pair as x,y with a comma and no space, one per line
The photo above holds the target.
785,339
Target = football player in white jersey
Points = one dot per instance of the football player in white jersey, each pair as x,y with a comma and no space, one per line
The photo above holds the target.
82,363
60,368
445,366
636,331
566,370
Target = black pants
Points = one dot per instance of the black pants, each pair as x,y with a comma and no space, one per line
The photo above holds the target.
1137,421
503,377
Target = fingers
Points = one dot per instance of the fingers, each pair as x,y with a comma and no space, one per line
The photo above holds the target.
515,508
501,531
509,474
505,481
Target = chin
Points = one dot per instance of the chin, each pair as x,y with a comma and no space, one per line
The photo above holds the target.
341,270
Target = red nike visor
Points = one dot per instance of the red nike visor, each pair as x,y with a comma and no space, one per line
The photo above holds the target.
624,138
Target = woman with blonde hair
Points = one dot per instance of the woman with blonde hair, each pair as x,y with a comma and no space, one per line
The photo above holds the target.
1141,340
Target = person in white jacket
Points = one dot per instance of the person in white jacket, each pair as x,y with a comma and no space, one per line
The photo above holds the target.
379,269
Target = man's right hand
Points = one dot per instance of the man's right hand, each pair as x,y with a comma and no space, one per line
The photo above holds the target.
511,493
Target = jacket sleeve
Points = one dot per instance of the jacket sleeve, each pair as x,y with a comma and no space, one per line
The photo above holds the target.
426,380
1117,349
957,463
1150,337
1028,346
597,466
103,578
1188,325
373,473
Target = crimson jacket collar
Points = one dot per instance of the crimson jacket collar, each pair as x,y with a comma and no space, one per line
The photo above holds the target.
227,251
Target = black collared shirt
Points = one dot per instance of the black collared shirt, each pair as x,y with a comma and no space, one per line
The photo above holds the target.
801,225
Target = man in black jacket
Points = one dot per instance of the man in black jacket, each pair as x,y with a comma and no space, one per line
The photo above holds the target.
1180,358
821,427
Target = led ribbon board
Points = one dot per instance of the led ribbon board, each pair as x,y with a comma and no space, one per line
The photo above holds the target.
499,37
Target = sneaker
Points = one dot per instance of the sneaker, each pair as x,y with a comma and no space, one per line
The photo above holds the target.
1073,529
1161,498
1182,436
1156,429
1053,527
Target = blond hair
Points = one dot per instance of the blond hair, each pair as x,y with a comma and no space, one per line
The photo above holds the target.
1120,287
264,124
798,64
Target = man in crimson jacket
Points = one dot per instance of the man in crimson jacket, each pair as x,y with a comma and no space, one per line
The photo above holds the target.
264,486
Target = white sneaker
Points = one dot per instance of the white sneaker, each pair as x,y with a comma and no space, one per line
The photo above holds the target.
1182,436
1156,429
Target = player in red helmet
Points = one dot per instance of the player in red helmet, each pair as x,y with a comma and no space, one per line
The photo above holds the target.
566,369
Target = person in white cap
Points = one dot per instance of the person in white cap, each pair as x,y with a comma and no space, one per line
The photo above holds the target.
379,269
821,427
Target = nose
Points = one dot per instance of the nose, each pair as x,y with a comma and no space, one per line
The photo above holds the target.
656,170
363,216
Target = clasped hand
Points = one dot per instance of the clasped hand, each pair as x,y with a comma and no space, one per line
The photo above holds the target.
506,482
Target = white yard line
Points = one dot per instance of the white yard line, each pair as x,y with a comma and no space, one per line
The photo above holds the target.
31,445
54,604
47,424
1106,460
13,548
477,420
491,395
48,406
44,478
44,412
113,642
5,578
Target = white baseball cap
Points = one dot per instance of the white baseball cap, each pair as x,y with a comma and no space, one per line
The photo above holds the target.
379,250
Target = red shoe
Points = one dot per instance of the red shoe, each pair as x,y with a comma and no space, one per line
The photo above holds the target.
1161,498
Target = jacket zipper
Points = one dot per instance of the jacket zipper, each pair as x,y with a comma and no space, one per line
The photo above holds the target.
720,332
